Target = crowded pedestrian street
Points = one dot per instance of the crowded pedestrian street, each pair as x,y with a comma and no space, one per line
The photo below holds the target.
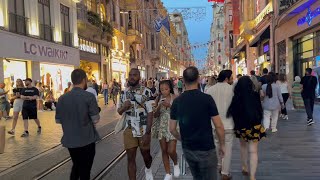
159,89
289,154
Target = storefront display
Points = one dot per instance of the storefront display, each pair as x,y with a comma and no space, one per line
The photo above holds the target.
14,70
92,69
55,77
305,51
119,72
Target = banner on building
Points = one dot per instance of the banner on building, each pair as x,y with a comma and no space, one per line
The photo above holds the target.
236,16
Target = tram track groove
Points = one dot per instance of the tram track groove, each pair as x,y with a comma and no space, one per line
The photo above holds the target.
57,166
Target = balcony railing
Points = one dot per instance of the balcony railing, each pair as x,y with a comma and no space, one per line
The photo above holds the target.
286,4
67,38
18,24
46,32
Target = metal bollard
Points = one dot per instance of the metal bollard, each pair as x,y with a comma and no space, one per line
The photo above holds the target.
2,138
183,165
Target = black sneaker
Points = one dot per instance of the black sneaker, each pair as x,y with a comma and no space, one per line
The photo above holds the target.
310,122
39,130
25,134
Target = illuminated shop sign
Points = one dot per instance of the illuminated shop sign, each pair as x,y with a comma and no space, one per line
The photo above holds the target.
268,9
45,51
309,17
87,48
266,48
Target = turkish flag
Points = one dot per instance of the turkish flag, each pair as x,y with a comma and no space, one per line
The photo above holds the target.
217,1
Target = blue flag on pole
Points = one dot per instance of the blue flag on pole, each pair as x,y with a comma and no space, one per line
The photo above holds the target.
166,23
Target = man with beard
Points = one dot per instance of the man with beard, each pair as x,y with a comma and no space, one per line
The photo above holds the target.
30,95
135,103
78,125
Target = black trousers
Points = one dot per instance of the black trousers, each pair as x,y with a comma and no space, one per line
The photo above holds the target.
309,105
285,97
82,159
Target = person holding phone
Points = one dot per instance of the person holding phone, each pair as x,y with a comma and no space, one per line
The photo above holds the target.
160,129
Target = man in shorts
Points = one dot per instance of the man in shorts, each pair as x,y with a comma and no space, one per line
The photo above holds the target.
136,105
30,95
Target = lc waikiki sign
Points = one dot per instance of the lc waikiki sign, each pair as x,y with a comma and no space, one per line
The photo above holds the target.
40,50
309,17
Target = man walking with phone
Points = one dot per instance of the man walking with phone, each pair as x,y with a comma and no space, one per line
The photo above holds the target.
136,106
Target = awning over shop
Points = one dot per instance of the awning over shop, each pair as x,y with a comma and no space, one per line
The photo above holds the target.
241,47
263,35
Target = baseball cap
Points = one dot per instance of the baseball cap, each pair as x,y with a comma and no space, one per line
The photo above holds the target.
28,79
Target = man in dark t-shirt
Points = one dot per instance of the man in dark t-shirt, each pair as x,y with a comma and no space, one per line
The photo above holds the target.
309,84
194,111
29,109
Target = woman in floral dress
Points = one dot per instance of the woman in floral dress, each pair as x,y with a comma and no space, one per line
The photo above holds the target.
161,131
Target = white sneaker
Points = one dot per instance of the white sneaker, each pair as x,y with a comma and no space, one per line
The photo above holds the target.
274,130
149,175
176,171
168,177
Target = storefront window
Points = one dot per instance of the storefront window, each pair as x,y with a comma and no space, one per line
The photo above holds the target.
305,50
13,70
92,70
55,78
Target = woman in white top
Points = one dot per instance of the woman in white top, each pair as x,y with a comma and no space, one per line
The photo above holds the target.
17,104
283,84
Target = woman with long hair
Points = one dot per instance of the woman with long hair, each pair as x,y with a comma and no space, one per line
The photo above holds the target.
296,94
105,91
160,129
272,102
284,87
17,104
247,114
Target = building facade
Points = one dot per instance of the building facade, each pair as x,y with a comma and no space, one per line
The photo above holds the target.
297,37
184,56
41,42
95,33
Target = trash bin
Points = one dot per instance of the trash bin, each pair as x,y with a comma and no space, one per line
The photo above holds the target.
2,138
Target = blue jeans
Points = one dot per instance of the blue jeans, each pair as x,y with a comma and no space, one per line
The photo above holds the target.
202,164
106,96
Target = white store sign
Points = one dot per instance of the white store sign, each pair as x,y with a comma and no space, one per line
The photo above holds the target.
87,48
22,47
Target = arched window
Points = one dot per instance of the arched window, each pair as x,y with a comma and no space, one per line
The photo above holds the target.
102,13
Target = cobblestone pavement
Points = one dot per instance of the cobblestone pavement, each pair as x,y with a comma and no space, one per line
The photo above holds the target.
292,153
19,149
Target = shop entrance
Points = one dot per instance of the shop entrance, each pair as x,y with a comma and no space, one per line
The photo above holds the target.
13,70
55,78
